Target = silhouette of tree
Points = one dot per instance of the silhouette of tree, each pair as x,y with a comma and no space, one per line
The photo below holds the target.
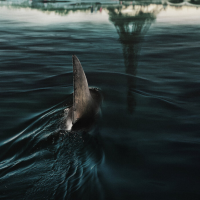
131,28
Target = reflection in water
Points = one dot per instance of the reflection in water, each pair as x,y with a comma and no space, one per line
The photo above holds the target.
195,2
176,1
131,29
180,3
66,7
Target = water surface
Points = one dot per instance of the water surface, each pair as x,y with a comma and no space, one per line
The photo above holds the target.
144,57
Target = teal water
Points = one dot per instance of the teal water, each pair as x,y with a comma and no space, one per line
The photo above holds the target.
143,56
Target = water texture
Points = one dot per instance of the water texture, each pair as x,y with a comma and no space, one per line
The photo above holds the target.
143,56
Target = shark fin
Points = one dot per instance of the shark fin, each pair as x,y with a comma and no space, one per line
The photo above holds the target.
82,97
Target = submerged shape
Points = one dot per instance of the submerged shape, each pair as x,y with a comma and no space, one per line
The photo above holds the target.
86,102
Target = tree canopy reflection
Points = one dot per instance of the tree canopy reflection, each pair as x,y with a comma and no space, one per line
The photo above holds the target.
131,27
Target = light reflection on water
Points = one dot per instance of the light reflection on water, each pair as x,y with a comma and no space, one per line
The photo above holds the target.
144,58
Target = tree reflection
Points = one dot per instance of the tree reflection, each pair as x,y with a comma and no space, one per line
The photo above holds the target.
131,28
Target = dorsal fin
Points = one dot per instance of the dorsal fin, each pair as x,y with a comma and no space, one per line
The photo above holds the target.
82,95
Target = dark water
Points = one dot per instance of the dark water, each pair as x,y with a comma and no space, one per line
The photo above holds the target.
144,58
